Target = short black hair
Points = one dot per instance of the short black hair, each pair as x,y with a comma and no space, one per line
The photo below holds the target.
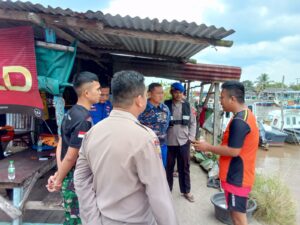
153,85
83,78
125,86
104,85
236,89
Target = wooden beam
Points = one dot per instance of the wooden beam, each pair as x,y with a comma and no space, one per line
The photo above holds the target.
56,20
62,34
34,179
12,211
54,46
139,54
96,60
165,37
40,205
67,21
20,16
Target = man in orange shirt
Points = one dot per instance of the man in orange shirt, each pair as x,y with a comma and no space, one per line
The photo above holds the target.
237,150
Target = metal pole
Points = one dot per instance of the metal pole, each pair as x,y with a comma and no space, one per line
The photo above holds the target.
216,127
281,105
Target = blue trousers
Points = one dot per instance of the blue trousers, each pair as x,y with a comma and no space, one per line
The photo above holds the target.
164,154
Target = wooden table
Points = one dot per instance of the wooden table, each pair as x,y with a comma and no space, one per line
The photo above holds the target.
28,170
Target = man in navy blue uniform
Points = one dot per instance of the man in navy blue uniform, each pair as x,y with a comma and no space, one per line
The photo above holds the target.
157,117
102,109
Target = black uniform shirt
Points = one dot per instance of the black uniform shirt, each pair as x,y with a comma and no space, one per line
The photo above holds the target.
77,121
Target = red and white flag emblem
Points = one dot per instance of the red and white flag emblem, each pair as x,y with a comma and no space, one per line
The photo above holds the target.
81,134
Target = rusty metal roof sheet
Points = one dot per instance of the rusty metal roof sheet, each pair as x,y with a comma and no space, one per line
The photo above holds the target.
178,71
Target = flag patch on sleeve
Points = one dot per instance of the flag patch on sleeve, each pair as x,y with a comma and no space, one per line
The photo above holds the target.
81,134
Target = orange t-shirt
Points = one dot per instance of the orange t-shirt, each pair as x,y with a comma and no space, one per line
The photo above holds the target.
242,132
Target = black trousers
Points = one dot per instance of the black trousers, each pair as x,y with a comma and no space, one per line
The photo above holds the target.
182,154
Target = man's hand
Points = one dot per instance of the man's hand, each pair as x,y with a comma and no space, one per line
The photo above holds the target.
50,185
57,184
53,183
201,145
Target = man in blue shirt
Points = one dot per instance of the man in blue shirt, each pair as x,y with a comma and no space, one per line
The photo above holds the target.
102,109
157,117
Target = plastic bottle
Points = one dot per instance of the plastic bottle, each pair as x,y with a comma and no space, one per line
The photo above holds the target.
11,170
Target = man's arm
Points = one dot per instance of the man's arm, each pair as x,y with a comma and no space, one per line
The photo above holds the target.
71,156
66,165
153,176
168,118
58,152
219,150
237,133
83,181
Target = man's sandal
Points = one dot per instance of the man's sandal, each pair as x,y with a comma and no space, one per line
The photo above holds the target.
189,197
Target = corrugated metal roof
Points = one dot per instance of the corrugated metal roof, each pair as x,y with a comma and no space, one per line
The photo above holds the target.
99,40
178,71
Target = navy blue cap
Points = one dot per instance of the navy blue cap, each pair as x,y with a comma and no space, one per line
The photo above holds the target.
177,86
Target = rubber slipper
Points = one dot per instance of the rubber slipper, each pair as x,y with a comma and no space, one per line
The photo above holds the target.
189,197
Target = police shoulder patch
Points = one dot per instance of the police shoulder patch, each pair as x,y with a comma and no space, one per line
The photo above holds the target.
157,145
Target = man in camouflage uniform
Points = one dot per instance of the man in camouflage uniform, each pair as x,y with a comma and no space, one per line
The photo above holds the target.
157,117
70,200
76,122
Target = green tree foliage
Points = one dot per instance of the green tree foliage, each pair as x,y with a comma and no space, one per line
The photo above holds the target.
193,61
262,82
249,85
295,87
166,87
276,85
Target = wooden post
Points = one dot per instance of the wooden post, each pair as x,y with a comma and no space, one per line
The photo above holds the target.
216,127
50,35
199,111
188,89
201,92
17,198
208,94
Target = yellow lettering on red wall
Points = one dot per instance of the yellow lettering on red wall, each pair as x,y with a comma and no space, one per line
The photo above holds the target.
16,69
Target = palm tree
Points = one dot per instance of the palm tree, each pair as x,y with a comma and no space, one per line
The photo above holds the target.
262,82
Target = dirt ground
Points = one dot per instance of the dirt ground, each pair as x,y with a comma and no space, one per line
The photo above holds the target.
200,212
283,161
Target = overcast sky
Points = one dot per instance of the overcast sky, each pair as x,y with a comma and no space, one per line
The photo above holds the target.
267,37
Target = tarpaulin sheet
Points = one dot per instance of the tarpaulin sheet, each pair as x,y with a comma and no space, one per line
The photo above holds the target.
54,68
18,75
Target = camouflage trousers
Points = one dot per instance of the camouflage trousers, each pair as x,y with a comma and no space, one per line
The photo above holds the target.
71,204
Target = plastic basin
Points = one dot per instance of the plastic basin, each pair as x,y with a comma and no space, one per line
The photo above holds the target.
221,212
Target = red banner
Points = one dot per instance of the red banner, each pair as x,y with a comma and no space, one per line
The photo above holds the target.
18,77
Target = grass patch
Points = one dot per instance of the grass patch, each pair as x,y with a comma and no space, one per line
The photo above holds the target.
275,204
